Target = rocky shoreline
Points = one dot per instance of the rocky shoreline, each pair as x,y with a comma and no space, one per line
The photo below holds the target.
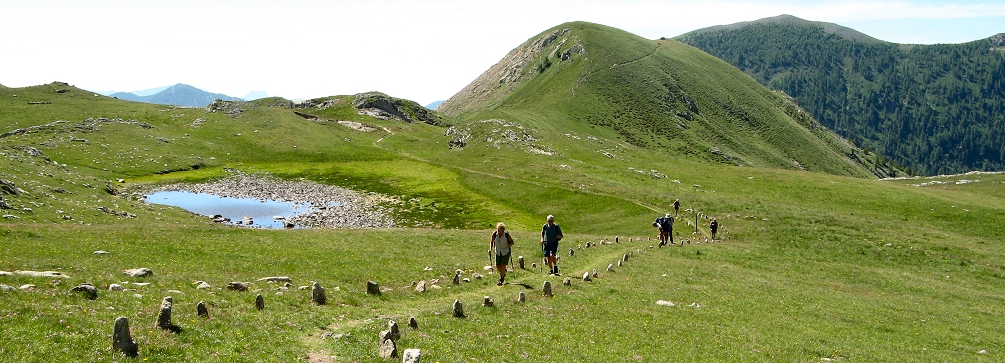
331,206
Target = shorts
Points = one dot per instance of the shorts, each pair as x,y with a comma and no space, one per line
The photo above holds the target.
551,249
502,260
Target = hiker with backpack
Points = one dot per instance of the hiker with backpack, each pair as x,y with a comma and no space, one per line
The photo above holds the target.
676,207
501,242
551,233
665,225
714,226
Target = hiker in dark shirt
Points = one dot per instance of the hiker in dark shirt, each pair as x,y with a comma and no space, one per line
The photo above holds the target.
714,226
676,207
665,225
551,233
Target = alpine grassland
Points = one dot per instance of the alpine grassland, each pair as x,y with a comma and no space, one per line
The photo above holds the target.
829,263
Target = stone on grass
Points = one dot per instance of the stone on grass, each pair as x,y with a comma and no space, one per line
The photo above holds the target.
87,289
275,279
572,252
546,289
458,309
392,326
6,273
457,277
587,244
372,288
101,252
476,276
7,288
519,259
202,310
50,274
521,297
139,272
665,303
487,301
412,323
411,356
567,282
595,273
26,287
164,316
610,267
238,286
202,285
466,279
259,302
619,263
533,265
384,335
625,258
421,286
122,340
318,294
586,276
116,287
388,349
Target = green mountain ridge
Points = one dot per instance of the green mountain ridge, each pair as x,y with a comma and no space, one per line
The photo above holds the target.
937,109
829,28
656,94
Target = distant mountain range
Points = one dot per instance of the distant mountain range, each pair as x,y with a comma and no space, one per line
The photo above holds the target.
434,105
179,95
936,109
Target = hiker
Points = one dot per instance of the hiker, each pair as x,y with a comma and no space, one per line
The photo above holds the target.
502,242
665,225
551,233
676,207
714,226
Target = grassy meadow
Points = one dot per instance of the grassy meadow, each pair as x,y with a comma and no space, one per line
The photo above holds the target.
809,266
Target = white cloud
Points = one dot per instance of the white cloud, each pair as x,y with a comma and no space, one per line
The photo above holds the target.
422,50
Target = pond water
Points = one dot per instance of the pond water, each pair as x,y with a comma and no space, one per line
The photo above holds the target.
261,211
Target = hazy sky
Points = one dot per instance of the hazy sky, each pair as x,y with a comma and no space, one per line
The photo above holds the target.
420,50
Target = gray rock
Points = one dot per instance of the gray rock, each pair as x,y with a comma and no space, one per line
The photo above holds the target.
392,326
617,239
625,258
384,335
9,188
533,265
26,287
7,288
567,282
466,279
458,309
476,276
318,294
139,272
519,259
122,340
572,252
259,302
164,316
487,301
101,252
610,267
275,279
48,274
116,287
238,286
586,276
595,273
202,310
546,289
372,288
457,277
411,356
87,289
619,263
202,285
388,349
176,292
587,244
420,287
412,323
6,273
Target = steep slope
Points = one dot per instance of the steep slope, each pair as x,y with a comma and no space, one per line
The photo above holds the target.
933,108
661,95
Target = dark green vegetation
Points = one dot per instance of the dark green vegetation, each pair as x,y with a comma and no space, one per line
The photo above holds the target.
932,108
813,265
178,95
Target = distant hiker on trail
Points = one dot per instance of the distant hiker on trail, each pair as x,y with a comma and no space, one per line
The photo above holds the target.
665,224
501,242
714,226
676,207
551,233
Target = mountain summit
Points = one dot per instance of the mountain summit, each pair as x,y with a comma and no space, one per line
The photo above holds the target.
179,95
662,95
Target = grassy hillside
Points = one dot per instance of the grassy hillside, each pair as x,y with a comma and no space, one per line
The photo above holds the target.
811,265
933,108
660,95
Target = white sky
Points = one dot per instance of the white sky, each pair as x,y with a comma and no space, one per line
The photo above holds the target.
424,50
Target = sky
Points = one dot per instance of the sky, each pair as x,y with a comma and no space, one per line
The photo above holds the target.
423,50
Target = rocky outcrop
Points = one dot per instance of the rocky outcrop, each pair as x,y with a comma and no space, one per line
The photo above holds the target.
385,107
231,108
998,40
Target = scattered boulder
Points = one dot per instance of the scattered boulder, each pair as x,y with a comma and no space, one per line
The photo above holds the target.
572,252
202,285
457,277
412,323
487,301
595,273
116,287
7,288
533,265
519,259
521,297
238,286
388,349
164,316
392,327
546,289
27,287
139,272
476,276
49,274
275,279
202,310
411,356
619,263
6,273
458,309
665,303
586,276
101,252
372,288
9,188
87,289
420,287
318,294
567,282
610,267
122,340
384,335
259,302
625,258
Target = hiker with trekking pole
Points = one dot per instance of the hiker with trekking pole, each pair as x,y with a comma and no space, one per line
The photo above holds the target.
551,233
501,242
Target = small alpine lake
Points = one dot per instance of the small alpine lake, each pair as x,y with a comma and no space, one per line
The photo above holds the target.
261,211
